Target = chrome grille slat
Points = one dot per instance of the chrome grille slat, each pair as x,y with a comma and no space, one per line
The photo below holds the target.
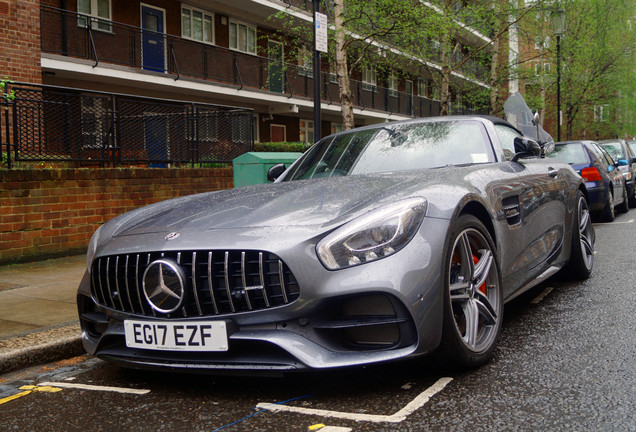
130,303
141,304
110,292
117,288
226,266
244,280
218,282
261,275
210,285
194,280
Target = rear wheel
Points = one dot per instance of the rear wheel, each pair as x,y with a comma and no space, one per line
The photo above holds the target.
582,255
608,210
624,207
473,295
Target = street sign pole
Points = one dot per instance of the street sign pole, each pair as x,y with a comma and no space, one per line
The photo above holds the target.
320,45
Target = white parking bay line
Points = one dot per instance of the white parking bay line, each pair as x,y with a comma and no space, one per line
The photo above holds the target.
399,416
95,388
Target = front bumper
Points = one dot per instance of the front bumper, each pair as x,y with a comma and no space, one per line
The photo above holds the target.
376,312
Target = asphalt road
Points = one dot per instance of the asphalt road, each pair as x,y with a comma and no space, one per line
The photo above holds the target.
566,361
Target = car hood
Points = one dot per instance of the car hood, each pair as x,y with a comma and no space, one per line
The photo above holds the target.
321,203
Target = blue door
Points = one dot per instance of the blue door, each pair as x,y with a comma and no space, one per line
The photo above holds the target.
153,45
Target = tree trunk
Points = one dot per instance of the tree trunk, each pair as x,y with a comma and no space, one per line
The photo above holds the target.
342,71
444,91
494,75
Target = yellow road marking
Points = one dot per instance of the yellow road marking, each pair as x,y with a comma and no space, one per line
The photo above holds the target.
28,390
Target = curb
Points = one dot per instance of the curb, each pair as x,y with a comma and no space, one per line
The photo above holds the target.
40,347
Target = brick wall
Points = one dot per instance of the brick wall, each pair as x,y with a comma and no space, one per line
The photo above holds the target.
20,40
53,212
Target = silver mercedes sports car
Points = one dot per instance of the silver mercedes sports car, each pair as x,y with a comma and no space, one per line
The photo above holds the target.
378,243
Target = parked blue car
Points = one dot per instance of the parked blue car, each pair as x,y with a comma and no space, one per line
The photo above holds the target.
604,181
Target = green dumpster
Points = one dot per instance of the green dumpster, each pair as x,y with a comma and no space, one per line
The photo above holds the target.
251,168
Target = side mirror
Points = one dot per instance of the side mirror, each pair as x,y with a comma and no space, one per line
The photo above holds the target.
623,162
525,148
275,171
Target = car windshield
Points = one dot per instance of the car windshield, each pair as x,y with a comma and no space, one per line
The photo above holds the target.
615,150
573,154
402,146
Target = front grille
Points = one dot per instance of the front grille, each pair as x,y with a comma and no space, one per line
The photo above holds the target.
217,282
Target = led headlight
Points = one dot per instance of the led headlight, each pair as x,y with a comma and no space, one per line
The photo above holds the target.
92,248
378,234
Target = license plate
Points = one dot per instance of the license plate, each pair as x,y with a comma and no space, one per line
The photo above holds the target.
177,335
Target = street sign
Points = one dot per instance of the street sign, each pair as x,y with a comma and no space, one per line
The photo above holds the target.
321,32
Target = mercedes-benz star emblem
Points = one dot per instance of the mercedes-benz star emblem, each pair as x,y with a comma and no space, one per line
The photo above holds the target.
172,236
164,285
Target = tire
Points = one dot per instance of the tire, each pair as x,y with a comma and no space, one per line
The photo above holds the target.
608,210
583,238
624,206
632,198
473,296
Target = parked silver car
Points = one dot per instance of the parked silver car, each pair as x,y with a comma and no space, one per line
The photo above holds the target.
379,243
625,159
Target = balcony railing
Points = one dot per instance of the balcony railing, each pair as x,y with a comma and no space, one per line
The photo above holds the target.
71,34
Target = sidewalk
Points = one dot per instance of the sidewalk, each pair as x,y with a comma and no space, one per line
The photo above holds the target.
38,314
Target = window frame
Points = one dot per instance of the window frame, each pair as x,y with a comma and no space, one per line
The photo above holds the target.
95,19
248,28
305,62
305,130
369,79
392,84
204,13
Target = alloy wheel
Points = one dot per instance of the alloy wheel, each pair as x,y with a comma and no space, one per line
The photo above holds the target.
473,290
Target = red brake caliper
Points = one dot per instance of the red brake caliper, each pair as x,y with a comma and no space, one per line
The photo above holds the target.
482,288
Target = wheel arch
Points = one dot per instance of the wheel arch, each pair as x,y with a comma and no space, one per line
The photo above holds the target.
478,210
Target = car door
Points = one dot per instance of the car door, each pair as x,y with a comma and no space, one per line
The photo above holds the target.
541,202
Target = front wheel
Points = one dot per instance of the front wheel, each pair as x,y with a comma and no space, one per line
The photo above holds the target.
583,237
473,295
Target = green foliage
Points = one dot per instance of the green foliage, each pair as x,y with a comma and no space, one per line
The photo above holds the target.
9,96
280,147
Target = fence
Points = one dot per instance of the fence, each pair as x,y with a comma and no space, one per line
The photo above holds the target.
57,124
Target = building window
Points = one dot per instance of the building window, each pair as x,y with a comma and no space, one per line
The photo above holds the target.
208,123
422,87
333,72
393,85
242,128
197,24
336,127
601,113
94,116
98,11
242,37
307,131
369,79
305,62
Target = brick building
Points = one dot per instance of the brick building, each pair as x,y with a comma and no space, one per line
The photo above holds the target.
221,52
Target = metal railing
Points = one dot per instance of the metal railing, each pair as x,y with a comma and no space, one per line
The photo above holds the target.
58,124
75,35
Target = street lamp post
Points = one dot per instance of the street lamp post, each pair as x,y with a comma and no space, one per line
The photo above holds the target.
558,26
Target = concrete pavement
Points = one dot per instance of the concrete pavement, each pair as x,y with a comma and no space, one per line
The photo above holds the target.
38,314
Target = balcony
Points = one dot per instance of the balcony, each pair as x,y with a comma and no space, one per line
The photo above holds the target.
73,35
